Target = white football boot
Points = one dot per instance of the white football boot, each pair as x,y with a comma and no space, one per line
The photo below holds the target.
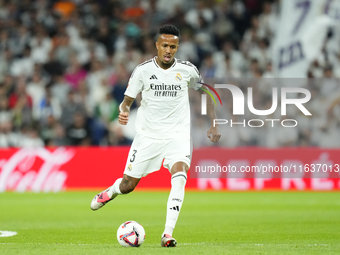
100,200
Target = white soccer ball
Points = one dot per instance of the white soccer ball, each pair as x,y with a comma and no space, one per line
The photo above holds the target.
130,234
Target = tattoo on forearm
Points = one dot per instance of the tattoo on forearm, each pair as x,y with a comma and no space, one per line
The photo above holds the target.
211,110
126,104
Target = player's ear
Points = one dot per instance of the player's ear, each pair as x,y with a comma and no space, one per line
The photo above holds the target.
157,45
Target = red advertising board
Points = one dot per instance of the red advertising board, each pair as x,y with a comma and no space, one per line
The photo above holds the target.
52,170
258,168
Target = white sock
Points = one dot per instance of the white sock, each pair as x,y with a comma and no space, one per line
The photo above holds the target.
175,201
114,189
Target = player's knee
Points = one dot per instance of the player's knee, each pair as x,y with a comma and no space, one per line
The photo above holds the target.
179,167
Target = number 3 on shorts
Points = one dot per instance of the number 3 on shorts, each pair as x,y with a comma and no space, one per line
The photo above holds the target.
133,156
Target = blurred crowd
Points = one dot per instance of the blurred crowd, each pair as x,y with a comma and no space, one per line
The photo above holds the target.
65,65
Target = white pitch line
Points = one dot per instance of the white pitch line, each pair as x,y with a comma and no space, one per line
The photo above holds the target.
55,244
184,244
256,244
7,233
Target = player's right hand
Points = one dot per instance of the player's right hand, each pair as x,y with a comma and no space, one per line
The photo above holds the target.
123,118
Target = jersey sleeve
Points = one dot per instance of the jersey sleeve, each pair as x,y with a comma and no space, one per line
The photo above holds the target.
195,79
135,84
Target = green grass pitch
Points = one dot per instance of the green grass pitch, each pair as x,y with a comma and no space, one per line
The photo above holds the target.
209,223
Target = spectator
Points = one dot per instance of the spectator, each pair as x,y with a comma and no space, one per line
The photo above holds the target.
36,90
60,89
20,92
107,110
229,72
75,73
98,83
41,45
208,69
24,65
30,137
61,48
49,106
64,7
70,109
19,40
47,129
79,132
59,136
8,137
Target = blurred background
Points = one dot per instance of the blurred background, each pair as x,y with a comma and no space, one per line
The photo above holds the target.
64,68
64,65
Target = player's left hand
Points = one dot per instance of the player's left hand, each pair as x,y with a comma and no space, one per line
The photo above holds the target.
214,134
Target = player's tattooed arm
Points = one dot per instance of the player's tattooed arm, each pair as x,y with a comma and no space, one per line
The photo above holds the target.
124,110
214,130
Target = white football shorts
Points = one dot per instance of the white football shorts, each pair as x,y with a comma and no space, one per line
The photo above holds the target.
146,154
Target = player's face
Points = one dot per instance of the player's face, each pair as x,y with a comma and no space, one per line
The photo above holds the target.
167,46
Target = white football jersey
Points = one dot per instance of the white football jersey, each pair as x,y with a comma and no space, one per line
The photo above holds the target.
164,111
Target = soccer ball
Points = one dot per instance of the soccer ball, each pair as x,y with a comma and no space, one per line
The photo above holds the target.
130,233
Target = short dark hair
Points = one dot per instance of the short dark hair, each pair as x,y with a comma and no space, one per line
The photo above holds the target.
168,30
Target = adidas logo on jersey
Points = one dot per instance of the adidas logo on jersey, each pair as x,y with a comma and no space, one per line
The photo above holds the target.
153,77
176,208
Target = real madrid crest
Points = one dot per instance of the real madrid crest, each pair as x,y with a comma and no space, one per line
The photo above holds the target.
178,77
129,167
